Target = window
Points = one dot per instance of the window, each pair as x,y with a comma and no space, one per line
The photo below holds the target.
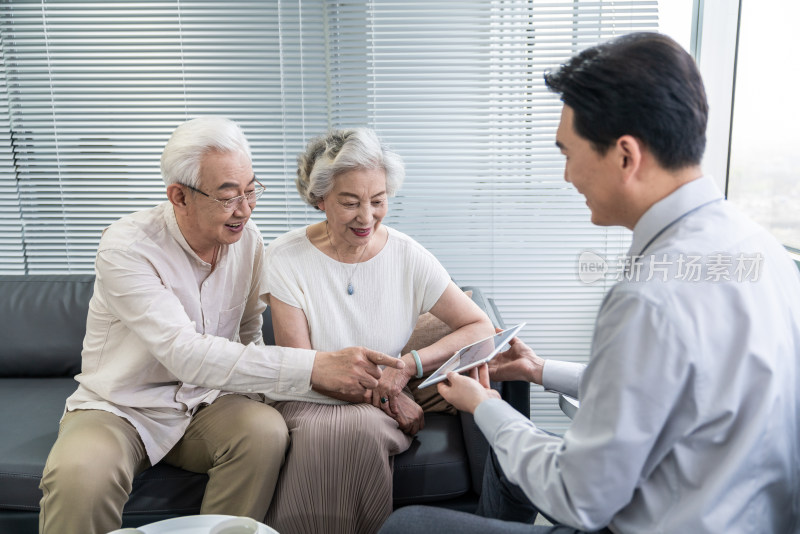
764,161
94,88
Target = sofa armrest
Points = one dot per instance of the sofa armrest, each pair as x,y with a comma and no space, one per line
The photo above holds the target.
516,393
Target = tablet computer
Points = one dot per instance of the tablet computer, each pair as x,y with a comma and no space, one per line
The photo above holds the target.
473,355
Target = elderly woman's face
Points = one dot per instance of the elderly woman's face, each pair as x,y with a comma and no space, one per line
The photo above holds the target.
356,206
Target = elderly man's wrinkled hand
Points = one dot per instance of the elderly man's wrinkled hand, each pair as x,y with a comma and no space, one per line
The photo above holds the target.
350,371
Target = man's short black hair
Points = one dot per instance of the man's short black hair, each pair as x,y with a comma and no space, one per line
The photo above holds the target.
641,84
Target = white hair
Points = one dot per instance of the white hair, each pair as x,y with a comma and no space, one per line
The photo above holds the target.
183,153
341,151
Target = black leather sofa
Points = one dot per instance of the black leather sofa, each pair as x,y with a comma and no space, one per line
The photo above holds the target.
42,323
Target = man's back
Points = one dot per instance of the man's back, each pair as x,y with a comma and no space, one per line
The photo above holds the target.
721,379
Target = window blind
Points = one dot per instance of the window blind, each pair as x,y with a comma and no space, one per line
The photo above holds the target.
11,236
459,93
94,89
97,87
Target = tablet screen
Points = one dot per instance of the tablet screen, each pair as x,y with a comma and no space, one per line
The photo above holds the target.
473,355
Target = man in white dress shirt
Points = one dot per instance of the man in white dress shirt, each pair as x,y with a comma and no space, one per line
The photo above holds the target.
689,406
174,367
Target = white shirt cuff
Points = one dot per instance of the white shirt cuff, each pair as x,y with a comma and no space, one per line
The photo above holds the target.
295,370
564,377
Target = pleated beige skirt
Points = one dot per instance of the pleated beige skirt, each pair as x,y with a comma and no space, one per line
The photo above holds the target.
337,477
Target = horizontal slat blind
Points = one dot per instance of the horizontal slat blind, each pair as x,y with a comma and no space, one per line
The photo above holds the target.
98,86
94,89
459,93
12,254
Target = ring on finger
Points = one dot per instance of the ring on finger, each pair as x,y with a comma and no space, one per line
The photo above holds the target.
384,400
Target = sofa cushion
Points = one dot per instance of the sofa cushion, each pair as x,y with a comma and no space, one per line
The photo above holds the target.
164,489
42,324
436,466
32,407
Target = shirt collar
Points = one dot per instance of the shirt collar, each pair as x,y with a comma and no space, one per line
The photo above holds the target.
175,231
670,209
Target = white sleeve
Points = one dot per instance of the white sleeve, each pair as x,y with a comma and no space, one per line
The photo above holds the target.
430,277
280,279
135,294
563,377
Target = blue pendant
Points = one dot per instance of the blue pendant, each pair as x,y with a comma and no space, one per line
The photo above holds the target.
350,289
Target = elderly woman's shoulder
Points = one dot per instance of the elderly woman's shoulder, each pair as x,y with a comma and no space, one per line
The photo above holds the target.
291,239
399,238
405,241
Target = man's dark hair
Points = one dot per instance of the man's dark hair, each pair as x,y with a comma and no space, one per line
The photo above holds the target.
640,84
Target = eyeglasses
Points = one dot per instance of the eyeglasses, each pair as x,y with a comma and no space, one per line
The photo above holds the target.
232,204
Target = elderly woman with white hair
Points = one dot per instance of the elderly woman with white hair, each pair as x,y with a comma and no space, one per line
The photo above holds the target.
350,280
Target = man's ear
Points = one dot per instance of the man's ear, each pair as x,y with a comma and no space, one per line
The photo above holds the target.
177,195
629,152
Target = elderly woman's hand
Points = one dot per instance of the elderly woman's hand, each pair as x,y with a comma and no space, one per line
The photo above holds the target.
408,414
391,384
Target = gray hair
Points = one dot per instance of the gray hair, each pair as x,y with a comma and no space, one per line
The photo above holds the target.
340,151
183,153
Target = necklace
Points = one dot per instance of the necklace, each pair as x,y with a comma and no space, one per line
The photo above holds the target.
350,289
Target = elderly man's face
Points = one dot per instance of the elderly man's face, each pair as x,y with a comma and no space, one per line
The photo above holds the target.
223,175
595,176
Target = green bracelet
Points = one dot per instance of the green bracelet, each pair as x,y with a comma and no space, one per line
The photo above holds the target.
415,354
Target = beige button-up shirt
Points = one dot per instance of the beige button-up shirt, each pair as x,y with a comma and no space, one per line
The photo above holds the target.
165,333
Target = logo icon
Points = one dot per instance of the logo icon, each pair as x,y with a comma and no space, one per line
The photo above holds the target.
591,267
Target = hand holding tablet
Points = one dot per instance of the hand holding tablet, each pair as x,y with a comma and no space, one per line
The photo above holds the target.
473,355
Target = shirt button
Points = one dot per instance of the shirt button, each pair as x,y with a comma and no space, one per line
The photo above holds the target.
205,284
208,321
292,389
249,390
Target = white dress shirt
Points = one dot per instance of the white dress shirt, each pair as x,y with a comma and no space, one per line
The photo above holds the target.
166,333
689,404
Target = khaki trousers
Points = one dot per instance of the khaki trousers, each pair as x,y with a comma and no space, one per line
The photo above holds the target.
239,442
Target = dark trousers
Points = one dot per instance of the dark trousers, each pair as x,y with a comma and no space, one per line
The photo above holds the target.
503,509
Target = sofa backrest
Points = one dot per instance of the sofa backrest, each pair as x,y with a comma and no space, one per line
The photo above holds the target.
42,324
